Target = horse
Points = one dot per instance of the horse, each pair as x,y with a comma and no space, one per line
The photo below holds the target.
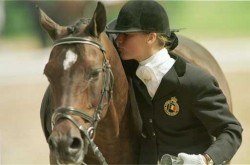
87,113
89,101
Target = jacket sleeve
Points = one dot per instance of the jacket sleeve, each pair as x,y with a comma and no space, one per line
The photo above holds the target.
210,106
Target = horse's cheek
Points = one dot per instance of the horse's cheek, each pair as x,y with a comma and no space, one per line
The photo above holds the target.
52,158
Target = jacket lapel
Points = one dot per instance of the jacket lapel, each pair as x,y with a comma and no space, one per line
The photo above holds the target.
168,84
170,80
142,88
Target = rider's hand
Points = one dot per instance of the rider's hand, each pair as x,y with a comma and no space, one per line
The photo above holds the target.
192,159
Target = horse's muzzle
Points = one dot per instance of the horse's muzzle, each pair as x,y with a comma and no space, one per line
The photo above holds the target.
66,150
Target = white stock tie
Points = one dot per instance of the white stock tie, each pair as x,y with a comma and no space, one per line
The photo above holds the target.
148,77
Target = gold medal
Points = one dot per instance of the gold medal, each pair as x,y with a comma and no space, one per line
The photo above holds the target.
171,107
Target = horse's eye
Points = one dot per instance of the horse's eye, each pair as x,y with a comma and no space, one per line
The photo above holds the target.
94,74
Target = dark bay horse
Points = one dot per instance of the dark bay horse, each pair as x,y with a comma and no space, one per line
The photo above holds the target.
88,86
87,103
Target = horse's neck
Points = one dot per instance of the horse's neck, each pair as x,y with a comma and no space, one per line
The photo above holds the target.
117,139
114,135
120,89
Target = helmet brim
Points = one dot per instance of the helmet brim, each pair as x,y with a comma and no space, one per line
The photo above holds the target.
111,28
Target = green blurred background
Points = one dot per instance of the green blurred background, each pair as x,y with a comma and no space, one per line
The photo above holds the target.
198,18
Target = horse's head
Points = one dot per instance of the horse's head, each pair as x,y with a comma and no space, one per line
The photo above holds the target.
81,84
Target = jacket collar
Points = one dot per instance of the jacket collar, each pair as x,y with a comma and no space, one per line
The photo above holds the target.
180,64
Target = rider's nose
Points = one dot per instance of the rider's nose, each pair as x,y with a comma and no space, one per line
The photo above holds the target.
71,145
119,39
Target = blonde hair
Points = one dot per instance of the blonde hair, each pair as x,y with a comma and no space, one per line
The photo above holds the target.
162,39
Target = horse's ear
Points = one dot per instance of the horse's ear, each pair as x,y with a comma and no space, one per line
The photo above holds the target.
53,29
98,22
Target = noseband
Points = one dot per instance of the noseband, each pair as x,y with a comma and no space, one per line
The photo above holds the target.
107,89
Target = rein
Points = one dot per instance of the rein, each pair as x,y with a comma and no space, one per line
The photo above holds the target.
107,89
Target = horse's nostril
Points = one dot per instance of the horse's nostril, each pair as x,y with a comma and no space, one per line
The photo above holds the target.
76,143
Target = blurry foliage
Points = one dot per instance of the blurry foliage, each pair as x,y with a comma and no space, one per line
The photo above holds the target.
210,18
17,21
201,18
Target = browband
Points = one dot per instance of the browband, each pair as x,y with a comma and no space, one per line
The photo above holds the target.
81,40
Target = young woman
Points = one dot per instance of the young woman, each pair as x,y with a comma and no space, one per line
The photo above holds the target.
183,110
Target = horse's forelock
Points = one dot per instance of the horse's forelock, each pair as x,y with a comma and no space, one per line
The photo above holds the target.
78,29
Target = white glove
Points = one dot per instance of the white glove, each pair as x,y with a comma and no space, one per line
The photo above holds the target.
192,159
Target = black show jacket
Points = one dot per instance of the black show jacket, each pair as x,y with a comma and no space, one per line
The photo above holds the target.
203,123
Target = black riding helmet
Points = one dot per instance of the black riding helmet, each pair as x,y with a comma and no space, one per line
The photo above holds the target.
143,16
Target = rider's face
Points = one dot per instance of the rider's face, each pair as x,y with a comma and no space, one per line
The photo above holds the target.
132,45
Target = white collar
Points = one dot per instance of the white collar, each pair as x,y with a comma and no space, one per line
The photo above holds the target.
156,59
154,68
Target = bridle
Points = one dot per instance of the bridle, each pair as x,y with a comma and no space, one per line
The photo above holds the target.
106,93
